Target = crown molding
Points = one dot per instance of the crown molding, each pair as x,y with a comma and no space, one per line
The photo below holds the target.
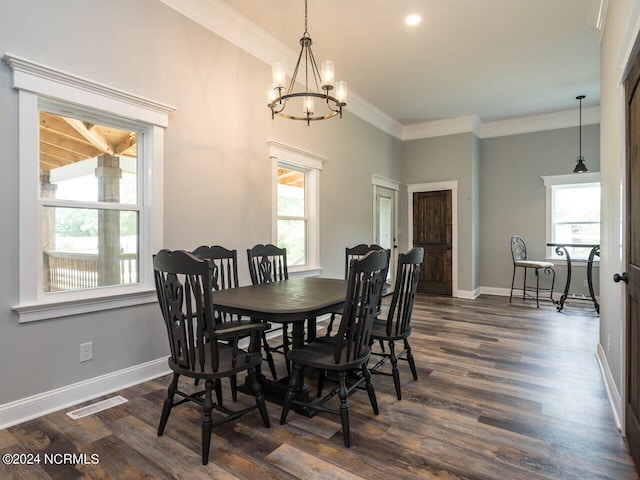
539,123
439,128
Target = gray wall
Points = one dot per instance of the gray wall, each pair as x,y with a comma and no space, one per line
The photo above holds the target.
442,159
217,171
513,196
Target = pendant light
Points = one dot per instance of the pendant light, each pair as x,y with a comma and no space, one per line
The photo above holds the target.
580,166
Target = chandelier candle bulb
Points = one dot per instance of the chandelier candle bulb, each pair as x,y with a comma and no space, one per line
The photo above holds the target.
308,106
278,75
272,94
327,74
341,91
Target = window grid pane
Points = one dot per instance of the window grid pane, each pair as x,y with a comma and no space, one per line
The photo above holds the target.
576,217
291,214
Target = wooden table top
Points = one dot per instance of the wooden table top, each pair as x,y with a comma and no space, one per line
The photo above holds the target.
290,300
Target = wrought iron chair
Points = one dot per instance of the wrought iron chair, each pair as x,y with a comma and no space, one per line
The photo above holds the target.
268,263
397,325
199,347
349,349
519,256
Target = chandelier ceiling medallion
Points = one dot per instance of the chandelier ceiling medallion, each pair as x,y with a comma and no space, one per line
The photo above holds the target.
580,166
316,84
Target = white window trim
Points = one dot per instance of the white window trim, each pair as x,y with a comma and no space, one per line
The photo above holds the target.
36,82
569,179
311,163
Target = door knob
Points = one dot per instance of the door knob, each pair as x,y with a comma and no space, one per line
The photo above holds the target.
624,277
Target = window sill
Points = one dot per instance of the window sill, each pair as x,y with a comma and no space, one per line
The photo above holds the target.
306,271
575,262
45,311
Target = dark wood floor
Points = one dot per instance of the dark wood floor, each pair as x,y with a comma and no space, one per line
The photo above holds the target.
504,392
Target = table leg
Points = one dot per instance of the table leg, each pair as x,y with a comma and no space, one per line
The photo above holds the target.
563,252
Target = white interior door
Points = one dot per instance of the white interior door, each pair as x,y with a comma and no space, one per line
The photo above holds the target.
385,226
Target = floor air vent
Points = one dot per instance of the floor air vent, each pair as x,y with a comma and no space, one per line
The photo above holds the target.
97,407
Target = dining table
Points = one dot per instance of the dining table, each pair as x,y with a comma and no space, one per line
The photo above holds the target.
562,251
295,301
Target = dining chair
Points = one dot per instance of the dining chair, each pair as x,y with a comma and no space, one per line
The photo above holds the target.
520,260
199,348
224,275
397,325
268,263
348,350
352,253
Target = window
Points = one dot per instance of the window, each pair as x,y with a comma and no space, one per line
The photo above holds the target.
90,203
296,177
90,209
292,215
573,211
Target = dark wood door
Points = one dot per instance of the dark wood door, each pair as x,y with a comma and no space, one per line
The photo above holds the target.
432,219
632,414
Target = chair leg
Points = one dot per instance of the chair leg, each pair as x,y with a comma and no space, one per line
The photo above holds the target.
412,363
285,346
330,326
207,425
394,369
294,384
370,390
321,376
344,407
513,279
524,285
168,403
256,389
234,387
267,353
537,288
218,388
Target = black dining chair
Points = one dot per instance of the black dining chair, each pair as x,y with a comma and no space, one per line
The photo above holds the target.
397,326
349,349
354,253
268,263
224,275
199,348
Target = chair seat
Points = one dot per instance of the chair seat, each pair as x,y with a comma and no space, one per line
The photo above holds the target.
319,354
226,367
379,331
533,264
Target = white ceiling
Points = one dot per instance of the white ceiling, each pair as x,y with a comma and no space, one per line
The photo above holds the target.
497,59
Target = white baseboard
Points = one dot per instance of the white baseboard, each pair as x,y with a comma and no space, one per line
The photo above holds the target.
47,402
610,386
501,292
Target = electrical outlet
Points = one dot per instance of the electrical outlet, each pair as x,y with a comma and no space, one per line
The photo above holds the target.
586,284
608,342
86,351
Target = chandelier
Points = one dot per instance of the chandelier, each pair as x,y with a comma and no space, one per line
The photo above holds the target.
580,166
317,85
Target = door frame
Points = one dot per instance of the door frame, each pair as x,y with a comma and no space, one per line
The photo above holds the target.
389,184
435,187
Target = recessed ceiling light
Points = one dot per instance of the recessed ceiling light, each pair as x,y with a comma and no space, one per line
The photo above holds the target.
413,19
